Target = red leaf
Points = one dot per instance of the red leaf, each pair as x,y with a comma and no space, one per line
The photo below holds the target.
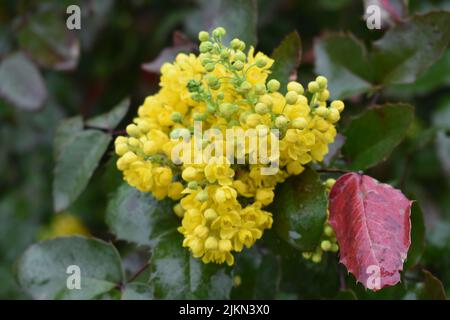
372,225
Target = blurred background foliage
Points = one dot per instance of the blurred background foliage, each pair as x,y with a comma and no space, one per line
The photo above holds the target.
48,73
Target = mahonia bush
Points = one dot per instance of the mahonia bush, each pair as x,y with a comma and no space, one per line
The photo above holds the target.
221,199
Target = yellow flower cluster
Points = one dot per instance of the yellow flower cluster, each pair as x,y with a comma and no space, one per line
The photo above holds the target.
223,194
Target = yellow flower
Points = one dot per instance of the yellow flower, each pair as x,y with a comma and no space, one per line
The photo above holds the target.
218,169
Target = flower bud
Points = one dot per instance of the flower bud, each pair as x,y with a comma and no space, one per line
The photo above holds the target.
329,231
299,123
260,88
313,87
235,44
210,214
321,111
261,108
211,243
281,122
203,36
325,245
238,65
209,67
133,130
176,117
193,185
219,32
295,86
121,149
273,85
338,105
205,46
261,63
322,81
202,196
291,97
240,56
333,115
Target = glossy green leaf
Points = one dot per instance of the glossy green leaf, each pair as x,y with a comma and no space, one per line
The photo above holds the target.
21,83
300,210
43,270
287,57
75,165
66,132
400,56
371,137
137,291
111,119
138,217
410,48
175,274
258,274
46,38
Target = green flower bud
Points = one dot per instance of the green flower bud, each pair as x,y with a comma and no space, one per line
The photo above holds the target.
193,185
261,63
316,257
241,45
238,65
299,123
175,133
219,32
233,123
176,117
227,109
240,56
199,116
209,67
281,122
307,255
260,88
322,111
329,231
220,96
295,86
325,245
184,133
261,108
224,54
291,97
235,44
193,85
334,247
211,80
322,81
245,86
313,87
273,85
203,36
205,46
202,196
211,108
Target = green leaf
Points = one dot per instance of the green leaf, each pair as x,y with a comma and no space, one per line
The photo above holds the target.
21,83
441,121
111,119
346,294
287,58
75,165
432,288
259,273
410,48
400,56
46,38
417,237
300,210
138,217
371,137
175,274
238,17
137,291
65,132
42,269
346,77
